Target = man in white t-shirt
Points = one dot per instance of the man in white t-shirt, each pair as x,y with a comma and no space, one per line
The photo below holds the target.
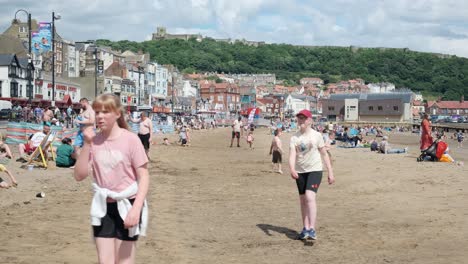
236,130
33,143
307,150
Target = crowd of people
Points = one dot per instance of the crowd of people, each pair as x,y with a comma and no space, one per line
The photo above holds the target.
120,171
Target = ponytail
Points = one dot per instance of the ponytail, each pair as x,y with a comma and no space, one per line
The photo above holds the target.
121,121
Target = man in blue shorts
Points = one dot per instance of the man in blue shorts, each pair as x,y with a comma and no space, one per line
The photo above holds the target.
307,150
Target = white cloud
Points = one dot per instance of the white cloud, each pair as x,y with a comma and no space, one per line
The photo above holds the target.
423,25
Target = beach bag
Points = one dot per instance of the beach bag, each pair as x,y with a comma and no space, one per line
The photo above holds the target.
441,148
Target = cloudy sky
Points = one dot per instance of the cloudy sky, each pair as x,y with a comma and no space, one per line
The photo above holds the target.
424,25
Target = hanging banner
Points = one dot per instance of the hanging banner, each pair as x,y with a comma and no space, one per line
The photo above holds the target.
41,40
252,115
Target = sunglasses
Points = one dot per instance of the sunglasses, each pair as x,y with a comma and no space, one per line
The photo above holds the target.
302,117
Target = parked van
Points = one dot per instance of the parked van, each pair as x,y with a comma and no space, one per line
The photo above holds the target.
5,104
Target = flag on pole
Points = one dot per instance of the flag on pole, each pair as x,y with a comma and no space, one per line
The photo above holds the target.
252,115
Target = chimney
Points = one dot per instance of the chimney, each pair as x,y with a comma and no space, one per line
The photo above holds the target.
462,99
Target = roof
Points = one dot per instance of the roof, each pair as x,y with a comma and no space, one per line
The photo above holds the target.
12,45
405,97
5,59
449,104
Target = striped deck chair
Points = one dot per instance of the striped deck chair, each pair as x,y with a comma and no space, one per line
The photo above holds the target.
41,150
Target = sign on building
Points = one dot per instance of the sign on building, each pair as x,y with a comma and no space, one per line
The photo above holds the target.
100,67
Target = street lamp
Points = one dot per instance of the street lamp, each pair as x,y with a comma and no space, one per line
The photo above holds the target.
96,61
54,17
30,76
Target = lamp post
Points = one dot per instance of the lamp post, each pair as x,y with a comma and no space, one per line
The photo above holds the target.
96,61
140,69
29,67
54,17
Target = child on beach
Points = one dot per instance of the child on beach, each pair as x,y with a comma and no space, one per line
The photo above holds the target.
166,142
276,151
118,163
4,184
5,151
306,153
250,138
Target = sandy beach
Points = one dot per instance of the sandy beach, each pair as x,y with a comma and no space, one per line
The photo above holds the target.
213,204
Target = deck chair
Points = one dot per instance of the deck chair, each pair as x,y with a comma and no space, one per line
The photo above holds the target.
41,150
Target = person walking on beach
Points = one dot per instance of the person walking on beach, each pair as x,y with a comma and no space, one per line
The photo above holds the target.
307,151
85,119
426,138
145,132
276,151
236,130
460,137
121,181
250,138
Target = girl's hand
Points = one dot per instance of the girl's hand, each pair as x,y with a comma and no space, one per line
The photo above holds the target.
89,134
133,218
294,175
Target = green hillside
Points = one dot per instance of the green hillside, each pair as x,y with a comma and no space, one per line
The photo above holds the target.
428,73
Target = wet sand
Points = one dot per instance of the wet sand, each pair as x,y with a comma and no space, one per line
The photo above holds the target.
213,204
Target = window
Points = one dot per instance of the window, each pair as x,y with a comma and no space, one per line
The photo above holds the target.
331,108
20,91
380,108
220,98
13,89
371,108
212,90
1,89
22,29
395,108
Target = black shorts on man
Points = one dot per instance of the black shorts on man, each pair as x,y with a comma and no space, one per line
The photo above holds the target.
309,181
277,157
145,140
235,134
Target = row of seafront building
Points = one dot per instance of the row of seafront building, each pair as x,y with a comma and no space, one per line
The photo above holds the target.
83,69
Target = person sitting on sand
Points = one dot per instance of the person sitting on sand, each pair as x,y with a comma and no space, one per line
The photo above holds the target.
65,154
4,184
384,147
5,152
166,142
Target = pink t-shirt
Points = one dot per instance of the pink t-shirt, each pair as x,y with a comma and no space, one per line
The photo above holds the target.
115,161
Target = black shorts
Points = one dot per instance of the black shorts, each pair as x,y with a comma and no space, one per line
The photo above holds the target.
112,225
145,140
277,157
309,181
235,134
184,141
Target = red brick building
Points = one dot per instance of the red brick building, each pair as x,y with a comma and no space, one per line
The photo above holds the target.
221,96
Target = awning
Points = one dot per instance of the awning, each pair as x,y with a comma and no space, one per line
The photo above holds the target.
66,100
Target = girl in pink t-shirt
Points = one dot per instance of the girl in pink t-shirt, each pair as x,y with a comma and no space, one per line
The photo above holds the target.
118,163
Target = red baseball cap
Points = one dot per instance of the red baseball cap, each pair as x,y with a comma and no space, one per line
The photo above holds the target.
305,113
